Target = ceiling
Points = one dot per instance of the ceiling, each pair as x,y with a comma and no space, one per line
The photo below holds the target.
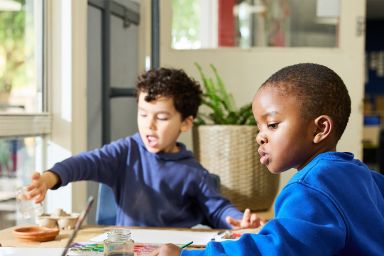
375,9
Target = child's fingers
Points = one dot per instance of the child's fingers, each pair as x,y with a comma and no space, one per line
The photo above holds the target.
247,214
37,190
35,183
246,221
233,222
40,198
36,176
255,221
36,193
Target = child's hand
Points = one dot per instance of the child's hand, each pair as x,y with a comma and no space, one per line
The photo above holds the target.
249,221
167,250
39,185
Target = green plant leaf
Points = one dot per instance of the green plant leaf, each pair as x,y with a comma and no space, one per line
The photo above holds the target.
226,97
221,103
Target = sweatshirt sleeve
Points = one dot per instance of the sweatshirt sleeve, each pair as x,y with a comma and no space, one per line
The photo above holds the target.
215,206
96,165
306,223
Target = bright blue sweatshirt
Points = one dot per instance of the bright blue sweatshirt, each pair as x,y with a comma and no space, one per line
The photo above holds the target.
163,189
333,206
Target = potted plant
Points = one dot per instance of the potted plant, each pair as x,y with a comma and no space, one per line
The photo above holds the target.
224,142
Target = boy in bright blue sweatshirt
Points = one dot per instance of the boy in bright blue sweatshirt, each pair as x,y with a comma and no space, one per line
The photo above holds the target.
155,179
333,205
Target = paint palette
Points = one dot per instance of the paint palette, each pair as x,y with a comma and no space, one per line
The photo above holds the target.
97,249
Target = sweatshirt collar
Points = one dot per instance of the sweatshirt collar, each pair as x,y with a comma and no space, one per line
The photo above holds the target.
346,156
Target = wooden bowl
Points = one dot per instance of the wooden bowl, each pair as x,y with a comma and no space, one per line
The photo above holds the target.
35,233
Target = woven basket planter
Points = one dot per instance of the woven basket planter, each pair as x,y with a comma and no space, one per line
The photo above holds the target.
230,151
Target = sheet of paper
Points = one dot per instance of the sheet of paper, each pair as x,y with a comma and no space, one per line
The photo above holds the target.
199,238
30,251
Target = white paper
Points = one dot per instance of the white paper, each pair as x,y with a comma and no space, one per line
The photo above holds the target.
30,251
199,238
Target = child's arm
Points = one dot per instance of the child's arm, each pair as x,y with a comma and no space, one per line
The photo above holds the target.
249,221
40,184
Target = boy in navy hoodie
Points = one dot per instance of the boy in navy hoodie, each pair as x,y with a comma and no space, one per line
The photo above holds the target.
333,205
155,179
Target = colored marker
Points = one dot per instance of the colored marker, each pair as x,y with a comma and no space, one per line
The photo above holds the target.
183,246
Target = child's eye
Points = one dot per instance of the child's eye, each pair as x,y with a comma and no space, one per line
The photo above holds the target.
162,118
273,125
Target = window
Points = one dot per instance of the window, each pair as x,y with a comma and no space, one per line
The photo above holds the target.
24,120
19,157
21,37
254,23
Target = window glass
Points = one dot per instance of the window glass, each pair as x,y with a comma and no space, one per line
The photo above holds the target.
254,23
22,122
19,158
21,44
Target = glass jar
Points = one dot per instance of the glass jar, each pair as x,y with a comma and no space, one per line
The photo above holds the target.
26,207
119,243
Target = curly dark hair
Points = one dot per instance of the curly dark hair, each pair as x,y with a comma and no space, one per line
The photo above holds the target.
173,83
319,90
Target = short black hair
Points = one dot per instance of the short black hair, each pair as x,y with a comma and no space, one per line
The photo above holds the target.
172,83
319,90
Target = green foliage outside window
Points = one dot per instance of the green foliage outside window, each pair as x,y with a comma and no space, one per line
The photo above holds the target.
185,29
12,48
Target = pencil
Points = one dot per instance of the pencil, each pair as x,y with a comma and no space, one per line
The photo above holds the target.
183,246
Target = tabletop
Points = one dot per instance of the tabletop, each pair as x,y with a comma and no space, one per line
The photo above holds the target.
180,236
85,233
90,231
146,238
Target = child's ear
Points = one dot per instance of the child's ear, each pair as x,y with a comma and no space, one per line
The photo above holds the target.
186,124
324,127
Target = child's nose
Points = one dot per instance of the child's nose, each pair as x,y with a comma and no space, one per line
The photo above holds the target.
260,138
151,124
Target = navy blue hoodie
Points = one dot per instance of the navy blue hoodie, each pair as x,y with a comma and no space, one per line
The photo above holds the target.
157,190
